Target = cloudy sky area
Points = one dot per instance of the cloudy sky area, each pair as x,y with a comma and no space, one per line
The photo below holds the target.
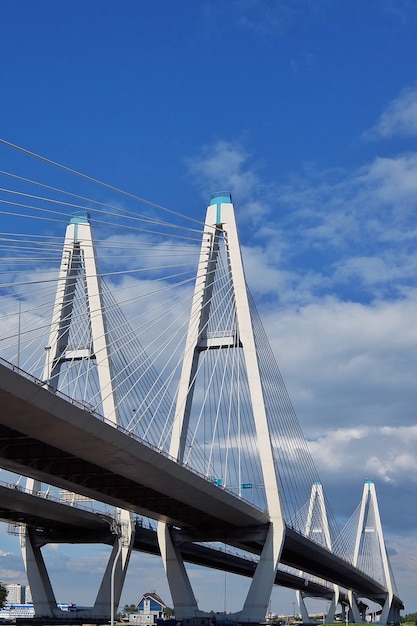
307,113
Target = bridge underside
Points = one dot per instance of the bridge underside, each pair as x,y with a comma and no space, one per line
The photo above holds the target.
53,522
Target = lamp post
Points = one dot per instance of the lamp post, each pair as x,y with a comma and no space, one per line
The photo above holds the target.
113,570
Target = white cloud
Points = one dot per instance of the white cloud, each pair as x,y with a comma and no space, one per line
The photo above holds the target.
224,167
388,456
262,18
344,362
2,553
393,181
347,363
400,117
10,575
324,233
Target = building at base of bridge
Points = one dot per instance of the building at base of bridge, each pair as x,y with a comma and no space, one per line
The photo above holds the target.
149,610
14,613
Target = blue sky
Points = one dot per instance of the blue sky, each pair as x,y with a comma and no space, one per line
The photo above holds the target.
307,113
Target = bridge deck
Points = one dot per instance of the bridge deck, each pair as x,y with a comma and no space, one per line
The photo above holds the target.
65,445
54,440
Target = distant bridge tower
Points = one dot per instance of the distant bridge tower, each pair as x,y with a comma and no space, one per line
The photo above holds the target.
221,228
317,529
78,281
370,555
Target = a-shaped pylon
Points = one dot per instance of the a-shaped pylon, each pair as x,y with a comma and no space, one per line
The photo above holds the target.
221,229
370,555
317,529
78,336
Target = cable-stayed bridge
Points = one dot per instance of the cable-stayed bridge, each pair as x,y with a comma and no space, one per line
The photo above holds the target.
217,515
185,420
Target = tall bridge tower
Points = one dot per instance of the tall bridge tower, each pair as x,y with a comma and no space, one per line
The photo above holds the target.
78,302
236,335
317,528
370,555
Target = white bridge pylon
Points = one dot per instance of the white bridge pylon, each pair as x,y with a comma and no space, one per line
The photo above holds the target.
78,279
221,227
370,555
317,529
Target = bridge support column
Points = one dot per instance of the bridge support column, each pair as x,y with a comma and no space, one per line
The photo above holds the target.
221,227
185,604
305,618
394,616
384,618
257,599
354,612
259,593
317,522
113,579
43,596
330,616
110,590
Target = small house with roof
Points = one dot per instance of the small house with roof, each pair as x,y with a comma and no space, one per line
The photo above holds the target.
149,609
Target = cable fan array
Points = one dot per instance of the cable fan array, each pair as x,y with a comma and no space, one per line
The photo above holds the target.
148,260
